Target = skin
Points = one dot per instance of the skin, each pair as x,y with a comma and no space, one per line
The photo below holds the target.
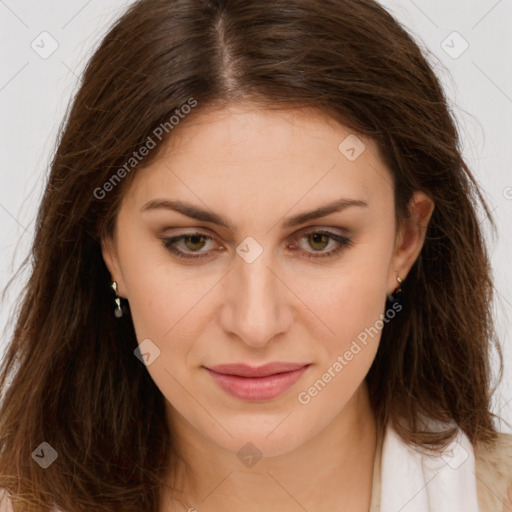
257,167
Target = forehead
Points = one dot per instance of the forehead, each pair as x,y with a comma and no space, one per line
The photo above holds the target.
245,131
245,156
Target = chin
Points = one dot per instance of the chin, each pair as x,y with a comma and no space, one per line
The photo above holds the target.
263,437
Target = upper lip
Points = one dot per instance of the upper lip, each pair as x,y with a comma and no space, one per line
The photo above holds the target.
245,370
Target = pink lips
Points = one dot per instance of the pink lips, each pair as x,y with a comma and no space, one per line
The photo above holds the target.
257,384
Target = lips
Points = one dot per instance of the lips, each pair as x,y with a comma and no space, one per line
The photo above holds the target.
257,383
244,370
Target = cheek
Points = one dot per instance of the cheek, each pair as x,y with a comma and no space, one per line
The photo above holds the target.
353,314
166,310
167,307
354,310
351,302
159,295
349,298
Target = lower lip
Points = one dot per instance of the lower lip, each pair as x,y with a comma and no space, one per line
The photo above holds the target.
257,389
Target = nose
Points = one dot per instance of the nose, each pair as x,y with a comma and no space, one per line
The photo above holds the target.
256,302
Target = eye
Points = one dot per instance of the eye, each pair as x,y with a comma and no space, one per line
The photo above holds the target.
318,240
193,242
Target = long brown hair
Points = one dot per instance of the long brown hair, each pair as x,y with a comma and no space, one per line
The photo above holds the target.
70,378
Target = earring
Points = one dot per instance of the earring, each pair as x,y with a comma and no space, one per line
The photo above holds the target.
118,312
392,297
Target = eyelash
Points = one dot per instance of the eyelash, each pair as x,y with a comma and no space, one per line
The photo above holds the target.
342,242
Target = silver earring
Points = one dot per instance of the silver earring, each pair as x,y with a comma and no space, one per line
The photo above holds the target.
118,312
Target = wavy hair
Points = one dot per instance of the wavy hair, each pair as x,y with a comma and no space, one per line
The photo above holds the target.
69,376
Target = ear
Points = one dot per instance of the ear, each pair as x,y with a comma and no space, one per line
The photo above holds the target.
109,253
410,238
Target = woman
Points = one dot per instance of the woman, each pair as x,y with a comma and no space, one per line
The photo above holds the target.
258,277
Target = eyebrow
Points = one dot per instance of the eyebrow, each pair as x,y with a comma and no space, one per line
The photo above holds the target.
195,212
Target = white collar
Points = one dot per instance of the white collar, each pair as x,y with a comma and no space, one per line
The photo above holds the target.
412,481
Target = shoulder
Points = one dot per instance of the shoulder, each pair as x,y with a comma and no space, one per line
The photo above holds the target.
493,469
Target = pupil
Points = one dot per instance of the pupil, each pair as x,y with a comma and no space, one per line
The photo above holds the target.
315,238
195,239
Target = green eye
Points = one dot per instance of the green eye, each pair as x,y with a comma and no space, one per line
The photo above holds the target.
192,243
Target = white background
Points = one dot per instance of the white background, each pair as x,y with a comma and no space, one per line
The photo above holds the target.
34,93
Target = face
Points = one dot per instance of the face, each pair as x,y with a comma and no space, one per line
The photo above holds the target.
271,285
